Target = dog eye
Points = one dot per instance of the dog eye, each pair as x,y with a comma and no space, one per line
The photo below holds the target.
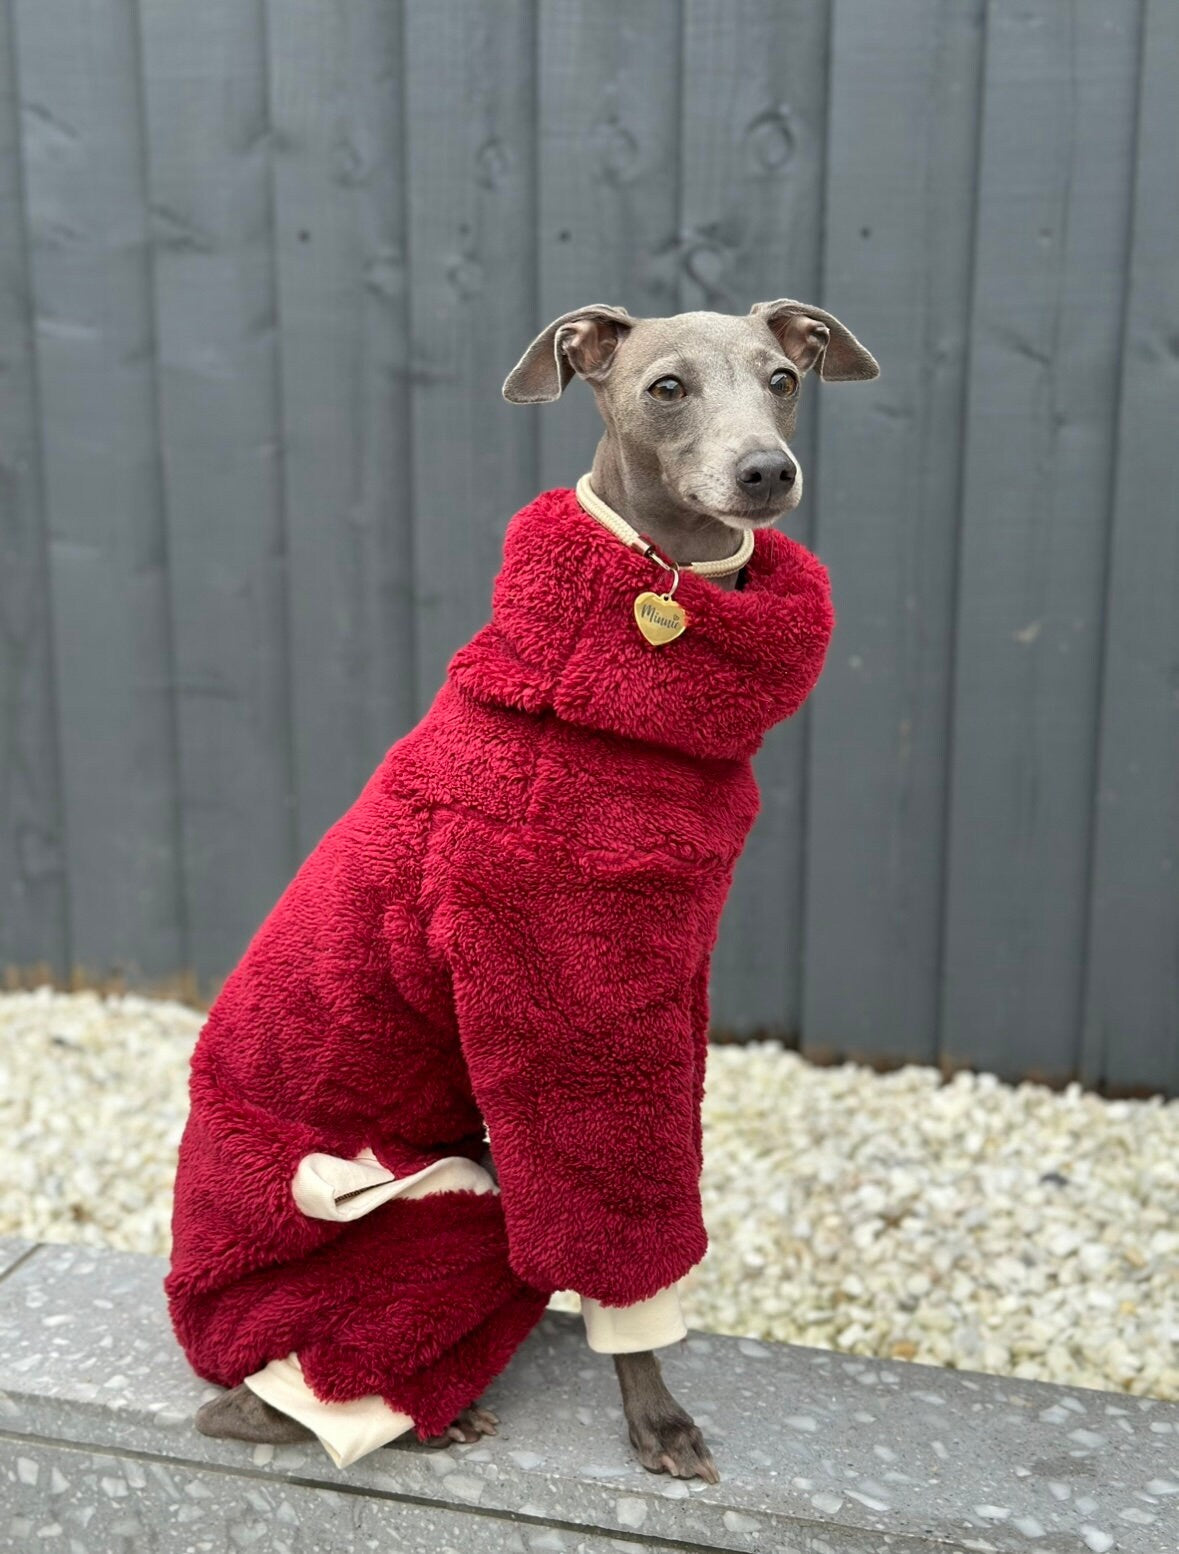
783,383
666,389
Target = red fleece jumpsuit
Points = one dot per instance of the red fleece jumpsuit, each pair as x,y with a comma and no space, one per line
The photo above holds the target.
510,927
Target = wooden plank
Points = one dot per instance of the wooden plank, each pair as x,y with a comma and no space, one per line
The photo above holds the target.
209,170
33,886
753,121
1055,180
470,85
91,293
1132,995
336,86
609,134
897,269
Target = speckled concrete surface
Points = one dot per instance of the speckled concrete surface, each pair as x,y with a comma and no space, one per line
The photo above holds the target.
102,1503
819,1453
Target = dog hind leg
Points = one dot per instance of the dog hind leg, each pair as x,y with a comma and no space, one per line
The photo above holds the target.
240,1415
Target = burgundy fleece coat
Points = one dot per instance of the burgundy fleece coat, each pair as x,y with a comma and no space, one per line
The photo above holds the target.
511,926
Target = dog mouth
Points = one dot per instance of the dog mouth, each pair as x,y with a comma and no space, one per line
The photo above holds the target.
751,520
745,517
746,512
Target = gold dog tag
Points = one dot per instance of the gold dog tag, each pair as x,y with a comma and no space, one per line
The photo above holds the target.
659,617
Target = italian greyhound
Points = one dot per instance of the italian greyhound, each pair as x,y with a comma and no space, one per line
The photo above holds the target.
699,412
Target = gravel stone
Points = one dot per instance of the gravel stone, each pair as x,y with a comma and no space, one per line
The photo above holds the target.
968,1223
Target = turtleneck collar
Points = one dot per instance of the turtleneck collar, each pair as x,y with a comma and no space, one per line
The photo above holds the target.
562,636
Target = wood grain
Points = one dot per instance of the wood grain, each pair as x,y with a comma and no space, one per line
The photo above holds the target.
34,924
217,335
901,176
1045,343
471,150
1132,988
343,304
90,272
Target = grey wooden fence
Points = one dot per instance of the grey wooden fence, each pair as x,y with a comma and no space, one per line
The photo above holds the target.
263,267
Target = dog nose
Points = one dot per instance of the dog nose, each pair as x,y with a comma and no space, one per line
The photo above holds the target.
767,469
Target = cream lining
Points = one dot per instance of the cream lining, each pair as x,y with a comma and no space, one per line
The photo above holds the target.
327,1187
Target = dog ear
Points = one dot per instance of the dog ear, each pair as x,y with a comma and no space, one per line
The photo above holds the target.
808,335
581,342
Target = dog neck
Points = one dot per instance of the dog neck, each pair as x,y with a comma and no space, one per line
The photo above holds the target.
618,526
640,498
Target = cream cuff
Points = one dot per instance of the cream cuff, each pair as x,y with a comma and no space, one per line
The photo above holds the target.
346,1430
328,1187
647,1324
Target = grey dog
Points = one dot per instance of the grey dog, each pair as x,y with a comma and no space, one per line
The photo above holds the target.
699,410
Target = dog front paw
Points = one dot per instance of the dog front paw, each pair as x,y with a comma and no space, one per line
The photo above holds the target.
670,1442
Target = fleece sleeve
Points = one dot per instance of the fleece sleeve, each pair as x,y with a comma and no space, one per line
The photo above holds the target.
574,998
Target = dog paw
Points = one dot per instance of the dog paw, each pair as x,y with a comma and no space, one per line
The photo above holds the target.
672,1443
471,1423
240,1415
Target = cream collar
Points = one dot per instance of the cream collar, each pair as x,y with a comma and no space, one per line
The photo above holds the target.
605,514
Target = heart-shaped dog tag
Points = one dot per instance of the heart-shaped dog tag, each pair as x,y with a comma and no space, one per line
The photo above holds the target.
660,618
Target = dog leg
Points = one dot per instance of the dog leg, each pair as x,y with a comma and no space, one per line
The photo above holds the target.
240,1415
662,1433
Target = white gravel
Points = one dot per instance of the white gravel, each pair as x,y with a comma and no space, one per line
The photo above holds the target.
973,1224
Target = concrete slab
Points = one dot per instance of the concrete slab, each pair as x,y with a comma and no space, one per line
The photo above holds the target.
13,1252
819,1453
104,1502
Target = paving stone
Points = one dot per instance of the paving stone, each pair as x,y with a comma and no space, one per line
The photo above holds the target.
819,1453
